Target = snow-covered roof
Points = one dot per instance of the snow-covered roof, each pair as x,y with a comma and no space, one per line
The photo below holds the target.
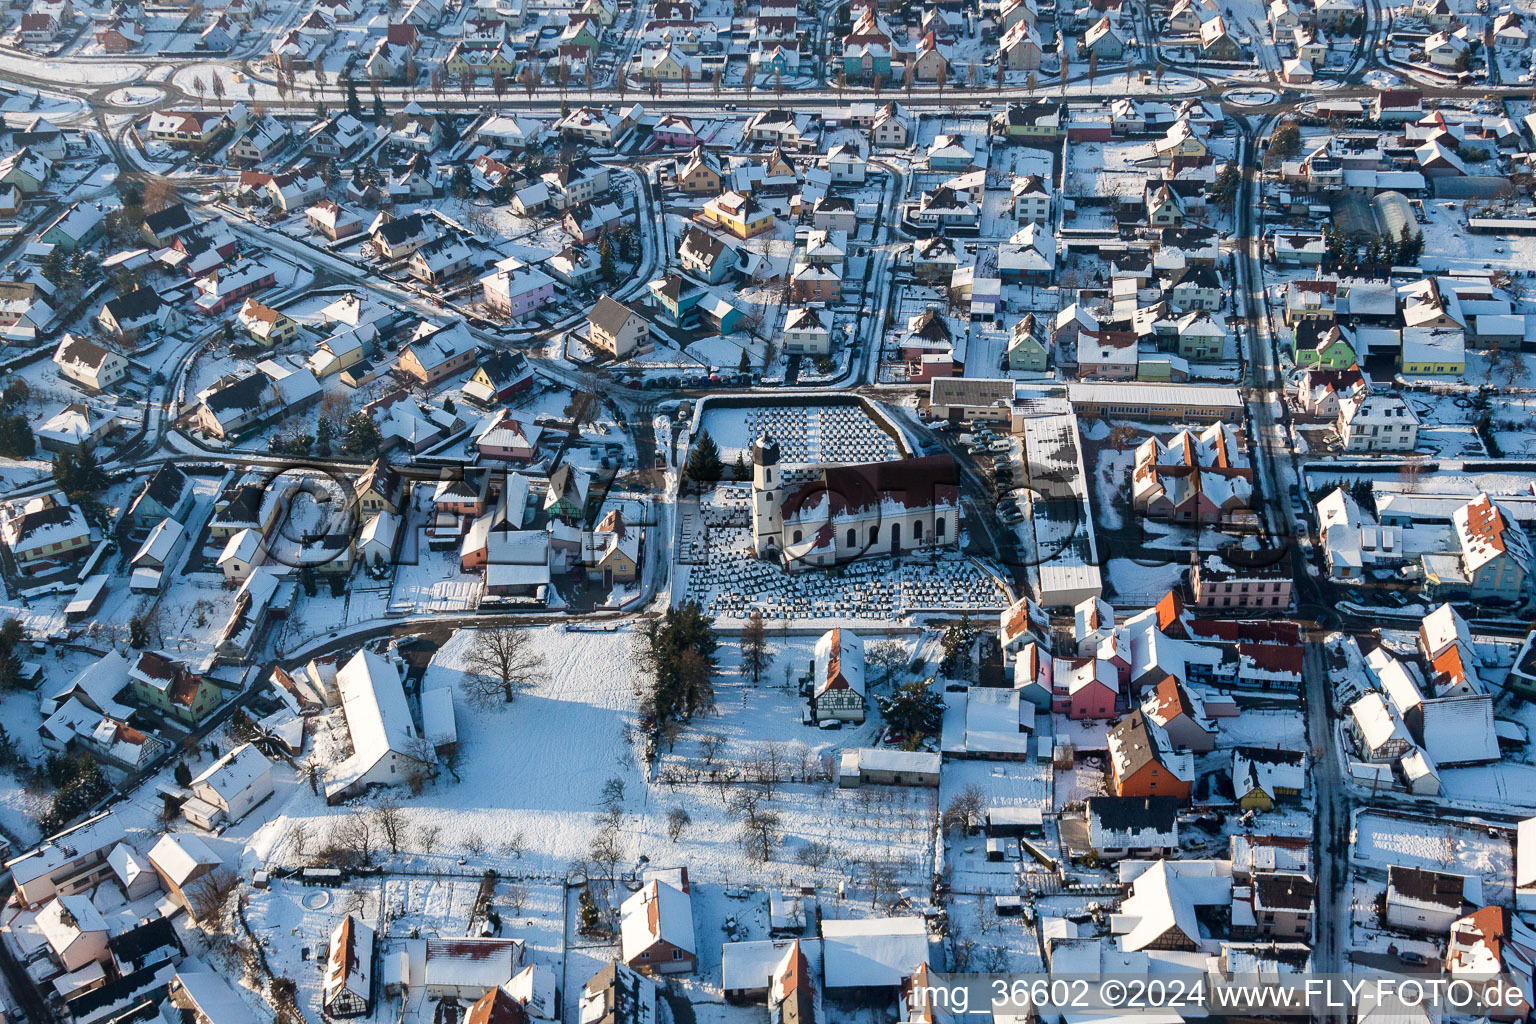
350,964
873,953
1164,897
437,719
658,912
377,715
747,966
161,543
86,839
997,721
1459,730
215,998
470,963
97,684
1377,723
839,662
233,773
64,918
126,864
180,856
1268,770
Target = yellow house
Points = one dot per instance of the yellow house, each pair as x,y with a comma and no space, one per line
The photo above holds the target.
1255,800
613,550
380,489
602,10
1265,776
617,566
1434,351
672,65
267,325
701,174
741,215
471,60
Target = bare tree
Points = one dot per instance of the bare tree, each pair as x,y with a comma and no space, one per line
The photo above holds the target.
814,854
209,896
881,876
389,819
606,850
516,894
353,833
356,900
710,745
678,820
613,804
768,766
500,661
986,915
427,836
514,845
474,843
965,809
759,824
886,657
760,833
421,763
298,838
802,761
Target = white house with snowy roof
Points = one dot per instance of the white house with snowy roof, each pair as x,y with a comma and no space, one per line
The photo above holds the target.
656,927
1163,910
133,873
70,861
232,785
873,953
384,737
348,987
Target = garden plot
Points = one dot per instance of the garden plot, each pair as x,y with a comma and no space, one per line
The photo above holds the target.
1109,169
1382,839
1447,422
762,719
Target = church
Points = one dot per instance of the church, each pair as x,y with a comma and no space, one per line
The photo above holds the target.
825,515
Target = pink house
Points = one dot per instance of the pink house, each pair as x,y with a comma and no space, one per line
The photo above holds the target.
507,439
516,291
928,366
1085,688
675,132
